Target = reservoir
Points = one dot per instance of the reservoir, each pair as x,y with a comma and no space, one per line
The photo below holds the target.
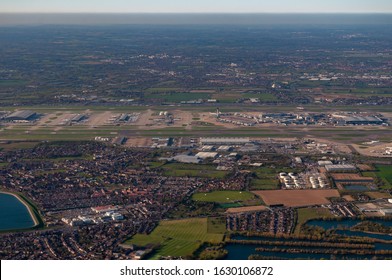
13,213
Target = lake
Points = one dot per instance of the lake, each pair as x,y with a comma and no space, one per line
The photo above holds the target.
13,213
243,251
344,225
347,223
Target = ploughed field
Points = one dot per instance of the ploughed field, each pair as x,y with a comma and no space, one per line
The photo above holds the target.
297,198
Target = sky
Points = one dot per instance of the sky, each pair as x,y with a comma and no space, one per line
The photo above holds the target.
195,6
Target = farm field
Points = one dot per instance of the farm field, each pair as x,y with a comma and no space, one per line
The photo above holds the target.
178,237
297,198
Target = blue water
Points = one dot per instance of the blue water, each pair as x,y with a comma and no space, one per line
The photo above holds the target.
364,234
13,214
356,188
350,223
344,223
243,251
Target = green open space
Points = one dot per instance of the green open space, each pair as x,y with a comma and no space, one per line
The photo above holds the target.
12,83
263,97
265,178
264,184
384,173
177,237
9,146
228,199
177,97
216,225
223,196
306,214
162,89
193,170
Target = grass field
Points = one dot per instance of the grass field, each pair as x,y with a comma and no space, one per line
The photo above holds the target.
265,178
264,184
12,83
216,225
177,97
262,96
179,237
224,196
306,214
384,172
193,170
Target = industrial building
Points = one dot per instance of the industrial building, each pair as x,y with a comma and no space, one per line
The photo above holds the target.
340,168
161,142
224,140
187,159
205,155
78,118
25,115
183,159
360,120
121,140
324,162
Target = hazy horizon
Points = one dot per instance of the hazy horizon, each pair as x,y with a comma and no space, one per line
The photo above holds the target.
9,19
200,6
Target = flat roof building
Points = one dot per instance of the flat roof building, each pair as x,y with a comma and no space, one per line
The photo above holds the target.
324,162
363,120
78,118
340,167
187,159
25,115
204,155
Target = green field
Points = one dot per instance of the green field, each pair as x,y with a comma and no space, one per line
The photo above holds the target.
216,225
12,83
178,237
177,97
265,179
306,214
264,97
225,197
193,170
384,173
264,184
